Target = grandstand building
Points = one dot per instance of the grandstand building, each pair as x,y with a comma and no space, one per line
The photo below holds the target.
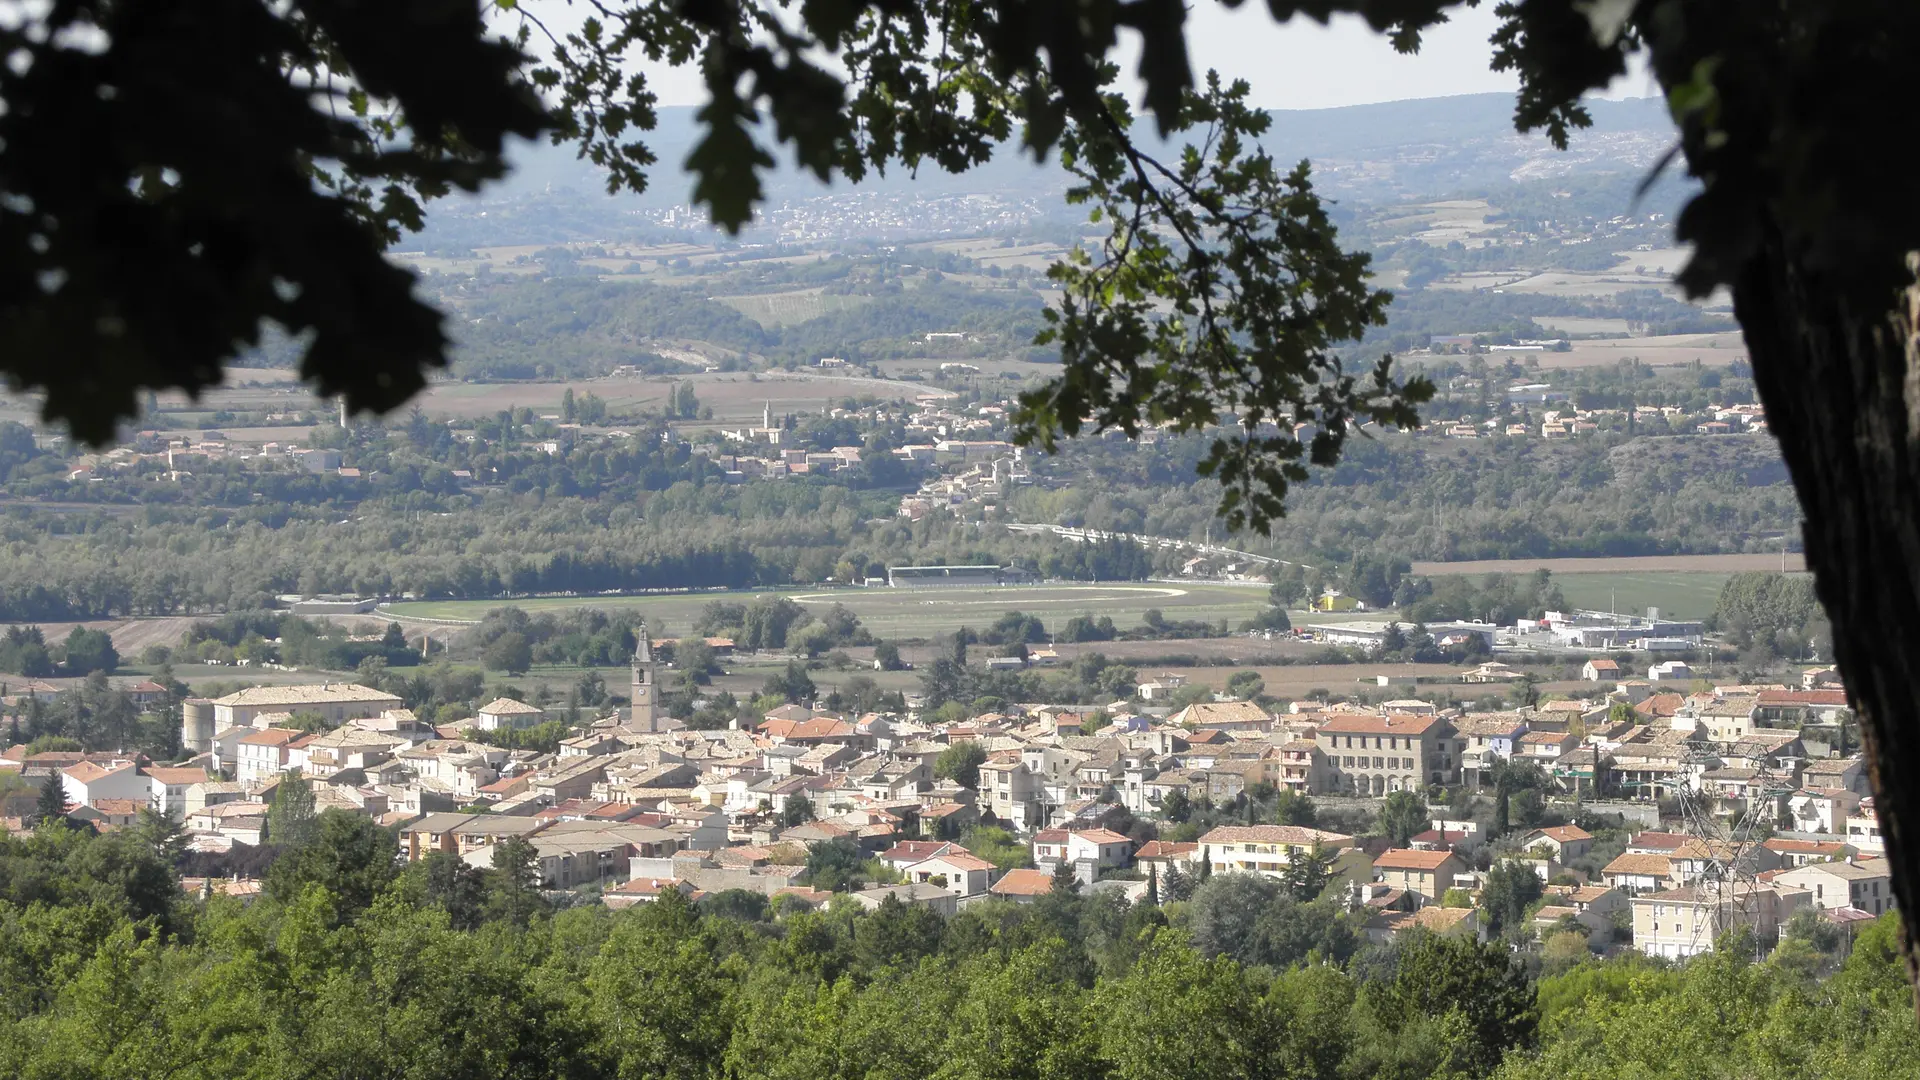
989,574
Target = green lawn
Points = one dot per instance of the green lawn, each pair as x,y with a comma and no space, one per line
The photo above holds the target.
912,613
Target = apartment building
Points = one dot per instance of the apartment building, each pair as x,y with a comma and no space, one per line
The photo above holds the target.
1013,793
1684,922
1371,755
337,703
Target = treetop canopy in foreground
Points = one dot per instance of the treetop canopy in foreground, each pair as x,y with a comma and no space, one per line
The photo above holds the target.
172,172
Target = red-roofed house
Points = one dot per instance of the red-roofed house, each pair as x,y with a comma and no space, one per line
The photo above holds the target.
1023,886
146,692
264,754
1428,874
1798,708
1163,855
88,782
1600,671
907,852
1438,840
1822,810
646,891
111,813
1797,853
1656,843
821,729
1659,706
1567,842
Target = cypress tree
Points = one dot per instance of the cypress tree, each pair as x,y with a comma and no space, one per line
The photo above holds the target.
53,800
1178,886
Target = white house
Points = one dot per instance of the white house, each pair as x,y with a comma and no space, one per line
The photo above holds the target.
1669,671
264,754
958,873
502,713
1096,847
1635,873
941,901
1567,842
1268,849
1865,884
1013,793
1863,829
1822,810
170,788
89,782
1600,671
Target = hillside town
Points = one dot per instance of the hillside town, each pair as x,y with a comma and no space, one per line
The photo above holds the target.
1651,820
960,447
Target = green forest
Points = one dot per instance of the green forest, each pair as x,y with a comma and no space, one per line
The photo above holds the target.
350,964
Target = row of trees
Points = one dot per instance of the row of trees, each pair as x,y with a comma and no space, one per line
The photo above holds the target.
1418,497
690,535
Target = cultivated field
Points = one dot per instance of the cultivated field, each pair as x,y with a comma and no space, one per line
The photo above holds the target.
1640,564
1673,350
1681,586
787,308
990,367
908,613
734,396
987,251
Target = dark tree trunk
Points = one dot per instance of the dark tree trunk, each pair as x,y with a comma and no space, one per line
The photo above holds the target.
1841,386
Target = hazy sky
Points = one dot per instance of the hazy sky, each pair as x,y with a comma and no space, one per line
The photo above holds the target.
1301,65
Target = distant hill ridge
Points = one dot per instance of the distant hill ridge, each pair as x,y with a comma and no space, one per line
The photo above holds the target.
1469,138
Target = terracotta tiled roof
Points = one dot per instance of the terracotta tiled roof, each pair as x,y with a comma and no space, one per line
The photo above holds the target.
1023,883
1411,859
271,737
959,861
1368,724
1274,834
1640,866
1563,833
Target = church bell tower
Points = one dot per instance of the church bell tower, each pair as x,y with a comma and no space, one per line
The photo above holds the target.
644,716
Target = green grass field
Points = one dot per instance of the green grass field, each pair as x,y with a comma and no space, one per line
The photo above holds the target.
912,613
1677,595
